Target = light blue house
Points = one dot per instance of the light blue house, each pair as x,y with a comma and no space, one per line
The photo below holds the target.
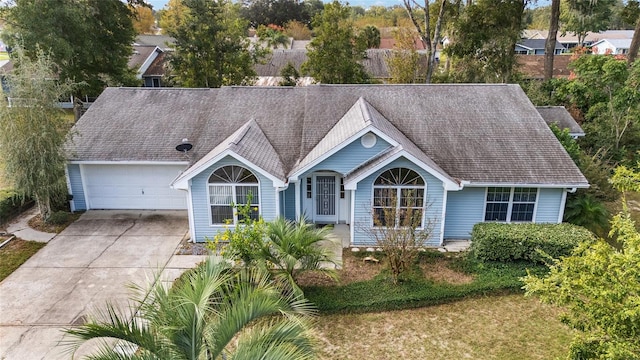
449,156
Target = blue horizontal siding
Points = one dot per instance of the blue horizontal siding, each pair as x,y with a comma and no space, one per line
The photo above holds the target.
350,157
465,208
364,200
289,202
202,223
75,179
549,205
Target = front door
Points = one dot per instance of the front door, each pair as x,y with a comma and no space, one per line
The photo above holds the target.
325,199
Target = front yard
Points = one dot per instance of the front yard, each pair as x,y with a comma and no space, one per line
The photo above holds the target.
15,253
495,327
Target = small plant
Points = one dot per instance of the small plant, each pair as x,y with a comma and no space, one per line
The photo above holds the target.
58,218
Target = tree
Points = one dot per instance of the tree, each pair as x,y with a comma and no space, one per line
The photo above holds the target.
606,91
211,312
550,44
89,40
424,30
290,75
370,35
278,12
635,41
33,130
334,54
297,30
484,38
582,16
598,286
143,19
211,49
404,59
172,16
272,35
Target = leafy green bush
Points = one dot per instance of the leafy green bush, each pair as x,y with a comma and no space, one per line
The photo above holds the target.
58,218
509,242
381,294
11,204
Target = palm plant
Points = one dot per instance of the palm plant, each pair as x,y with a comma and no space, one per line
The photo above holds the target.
212,312
294,248
586,211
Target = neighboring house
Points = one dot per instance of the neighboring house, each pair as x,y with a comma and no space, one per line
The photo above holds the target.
559,116
456,155
164,42
142,58
536,47
532,66
154,76
570,40
611,46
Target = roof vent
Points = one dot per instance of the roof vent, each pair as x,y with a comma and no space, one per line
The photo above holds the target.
184,146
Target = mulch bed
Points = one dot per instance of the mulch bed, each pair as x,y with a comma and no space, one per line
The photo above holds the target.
36,223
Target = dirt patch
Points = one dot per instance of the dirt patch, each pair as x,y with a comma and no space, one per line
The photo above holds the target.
36,223
355,269
188,248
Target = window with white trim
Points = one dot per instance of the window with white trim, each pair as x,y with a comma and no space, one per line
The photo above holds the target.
231,186
510,204
398,198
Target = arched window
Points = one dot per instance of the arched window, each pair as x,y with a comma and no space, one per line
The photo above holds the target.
398,198
230,186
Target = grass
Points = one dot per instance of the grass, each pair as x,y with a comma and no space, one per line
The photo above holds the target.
4,55
497,327
15,253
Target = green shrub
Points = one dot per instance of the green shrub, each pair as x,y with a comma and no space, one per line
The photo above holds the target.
11,204
509,242
59,218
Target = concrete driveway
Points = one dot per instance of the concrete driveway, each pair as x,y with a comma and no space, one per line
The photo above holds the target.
88,264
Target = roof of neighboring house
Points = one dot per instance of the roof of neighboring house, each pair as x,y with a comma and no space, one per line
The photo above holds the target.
375,63
617,43
164,42
561,117
477,133
532,66
140,54
389,43
157,66
570,38
537,44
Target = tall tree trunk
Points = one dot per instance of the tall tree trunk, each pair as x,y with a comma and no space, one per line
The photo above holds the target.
635,44
550,44
436,40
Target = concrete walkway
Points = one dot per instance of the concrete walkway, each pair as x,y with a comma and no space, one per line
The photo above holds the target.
20,228
87,265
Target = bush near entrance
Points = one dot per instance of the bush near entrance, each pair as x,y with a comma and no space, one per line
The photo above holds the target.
509,242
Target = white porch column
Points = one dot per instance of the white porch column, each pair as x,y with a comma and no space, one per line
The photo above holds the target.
297,188
352,225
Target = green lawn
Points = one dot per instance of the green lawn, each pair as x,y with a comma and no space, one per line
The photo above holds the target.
495,327
15,253
4,56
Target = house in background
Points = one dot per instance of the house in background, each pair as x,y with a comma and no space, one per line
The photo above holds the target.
536,47
611,46
453,155
559,116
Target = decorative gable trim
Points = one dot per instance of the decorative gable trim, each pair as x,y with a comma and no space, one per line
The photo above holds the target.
351,183
182,182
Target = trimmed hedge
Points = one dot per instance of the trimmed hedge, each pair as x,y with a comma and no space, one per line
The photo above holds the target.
509,242
11,204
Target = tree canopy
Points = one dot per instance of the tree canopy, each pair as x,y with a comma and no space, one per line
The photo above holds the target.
33,130
89,40
334,54
277,12
211,49
582,16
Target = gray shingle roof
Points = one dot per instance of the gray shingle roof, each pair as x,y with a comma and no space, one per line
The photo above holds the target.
560,116
475,133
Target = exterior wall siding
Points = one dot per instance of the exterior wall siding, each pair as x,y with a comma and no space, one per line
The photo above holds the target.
364,201
465,208
549,205
202,223
75,179
289,203
350,157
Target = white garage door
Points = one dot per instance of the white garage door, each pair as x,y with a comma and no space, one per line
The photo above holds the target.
133,187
